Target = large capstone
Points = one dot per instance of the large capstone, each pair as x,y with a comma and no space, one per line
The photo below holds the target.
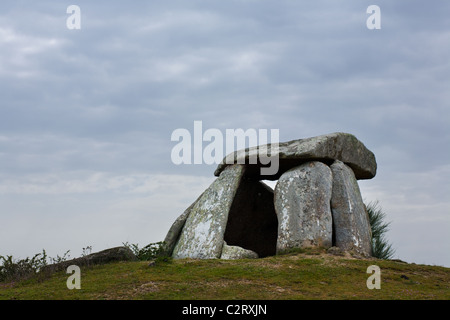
326,148
302,204
351,221
202,235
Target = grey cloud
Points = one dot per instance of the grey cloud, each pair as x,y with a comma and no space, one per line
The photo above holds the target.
106,98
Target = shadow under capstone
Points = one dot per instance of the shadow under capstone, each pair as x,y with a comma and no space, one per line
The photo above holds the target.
252,220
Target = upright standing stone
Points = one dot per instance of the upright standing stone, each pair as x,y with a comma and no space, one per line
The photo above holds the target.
302,204
174,232
202,236
351,221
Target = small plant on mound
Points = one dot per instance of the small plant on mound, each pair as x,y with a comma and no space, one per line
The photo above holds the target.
16,270
381,249
153,251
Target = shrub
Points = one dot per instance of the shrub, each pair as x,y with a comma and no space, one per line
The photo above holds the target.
381,249
18,270
151,251
14,270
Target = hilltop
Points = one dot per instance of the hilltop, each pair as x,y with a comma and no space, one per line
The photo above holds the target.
307,274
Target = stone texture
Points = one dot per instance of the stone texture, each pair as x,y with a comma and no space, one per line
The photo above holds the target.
202,235
326,148
102,257
235,252
302,204
252,221
316,202
174,232
350,219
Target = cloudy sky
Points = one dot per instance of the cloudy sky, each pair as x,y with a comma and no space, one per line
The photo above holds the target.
86,116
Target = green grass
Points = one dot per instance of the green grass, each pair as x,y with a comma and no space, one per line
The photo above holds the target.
310,274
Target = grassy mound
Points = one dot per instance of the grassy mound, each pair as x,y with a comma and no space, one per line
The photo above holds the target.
308,274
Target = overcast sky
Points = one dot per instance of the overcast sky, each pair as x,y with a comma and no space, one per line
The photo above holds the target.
86,115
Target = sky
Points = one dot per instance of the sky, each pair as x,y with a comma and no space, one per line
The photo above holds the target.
86,115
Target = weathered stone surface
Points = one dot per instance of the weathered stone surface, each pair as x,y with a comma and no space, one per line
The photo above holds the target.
202,235
302,204
235,252
252,221
175,230
351,222
326,148
102,257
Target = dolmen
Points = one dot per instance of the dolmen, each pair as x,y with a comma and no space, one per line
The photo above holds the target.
316,203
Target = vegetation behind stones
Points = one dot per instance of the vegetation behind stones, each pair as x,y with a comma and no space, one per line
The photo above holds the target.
381,248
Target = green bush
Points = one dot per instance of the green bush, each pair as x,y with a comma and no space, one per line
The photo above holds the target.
14,270
151,251
17,270
381,249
